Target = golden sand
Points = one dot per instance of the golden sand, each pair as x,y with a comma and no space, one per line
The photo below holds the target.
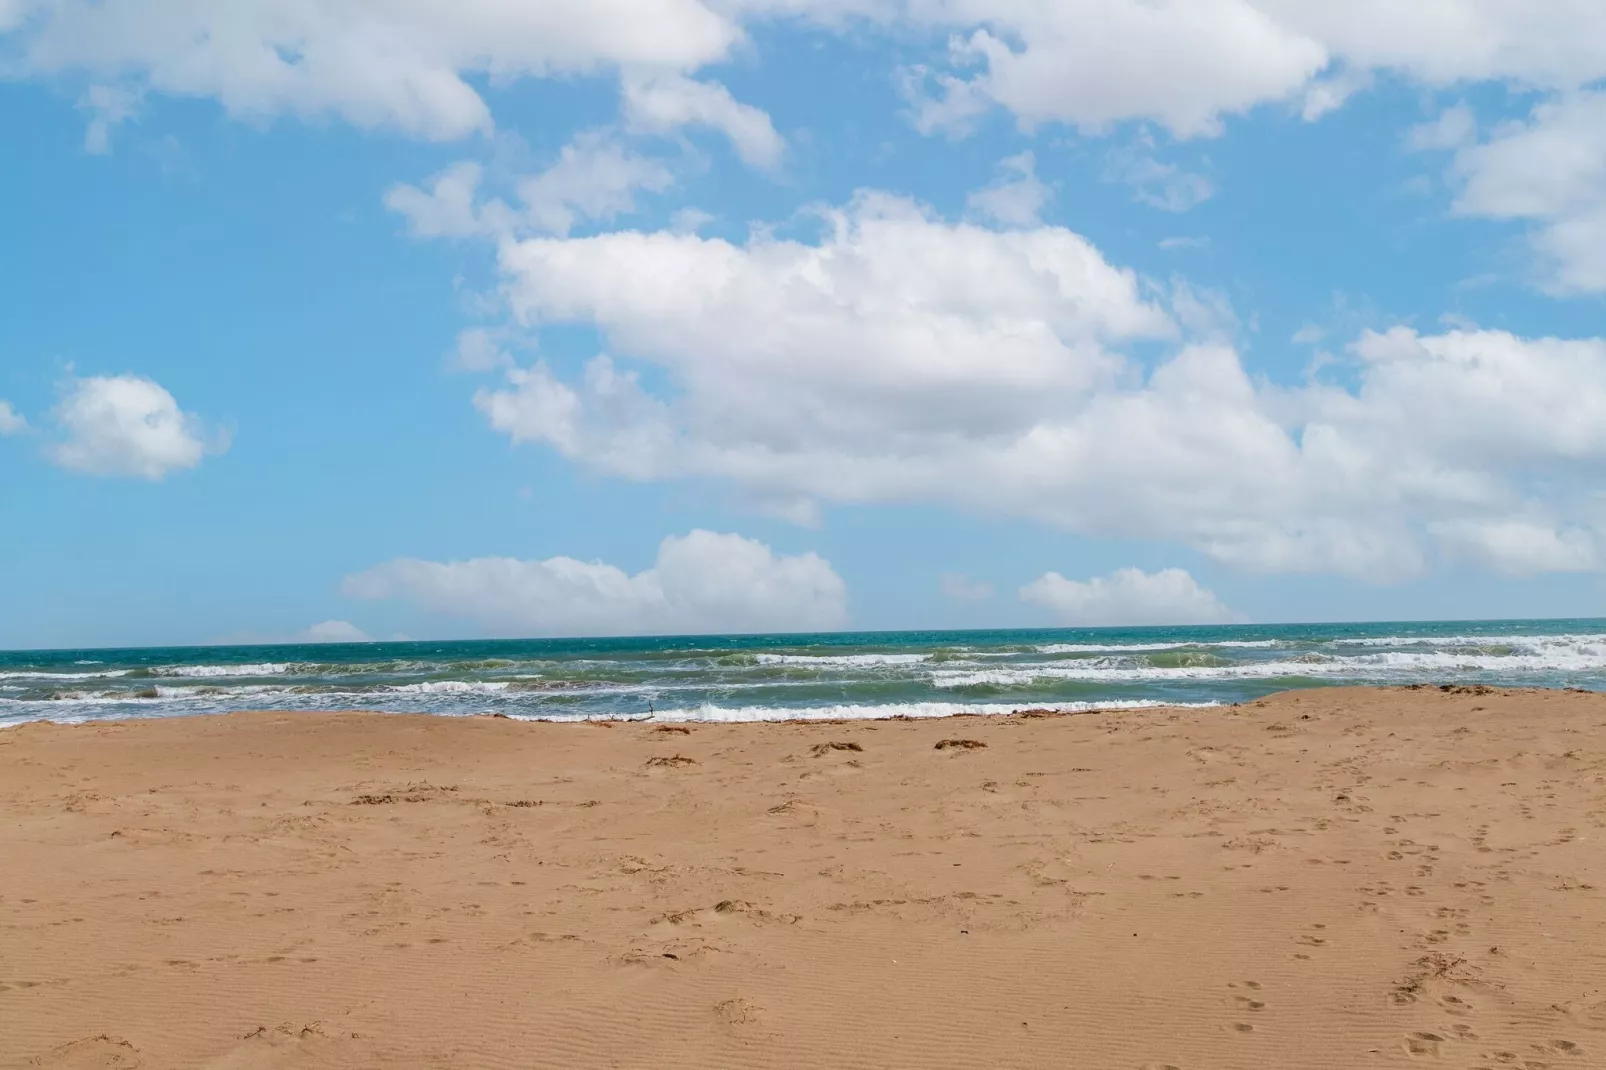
1333,879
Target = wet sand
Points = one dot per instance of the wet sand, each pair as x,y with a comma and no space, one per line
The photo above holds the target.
1333,879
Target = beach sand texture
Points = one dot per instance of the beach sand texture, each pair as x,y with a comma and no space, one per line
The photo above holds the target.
1334,879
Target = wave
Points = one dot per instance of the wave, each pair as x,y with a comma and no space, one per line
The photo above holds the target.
1515,642
847,660
1138,648
42,674
449,687
144,695
208,671
883,711
1389,665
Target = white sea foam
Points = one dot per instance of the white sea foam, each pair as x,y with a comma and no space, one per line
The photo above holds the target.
846,660
209,671
162,693
63,676
448,687
1144,648
1383,665
737,714
1521,642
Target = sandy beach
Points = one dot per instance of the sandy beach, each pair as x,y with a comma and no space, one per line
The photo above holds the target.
1334,879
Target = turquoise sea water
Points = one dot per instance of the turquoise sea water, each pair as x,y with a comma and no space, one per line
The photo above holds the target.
742,678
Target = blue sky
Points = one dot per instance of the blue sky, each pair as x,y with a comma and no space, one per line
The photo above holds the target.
508,319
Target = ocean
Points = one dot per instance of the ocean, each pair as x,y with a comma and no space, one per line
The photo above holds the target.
776,677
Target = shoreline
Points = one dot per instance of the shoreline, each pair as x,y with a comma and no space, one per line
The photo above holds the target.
1322,878
958,710
1001,709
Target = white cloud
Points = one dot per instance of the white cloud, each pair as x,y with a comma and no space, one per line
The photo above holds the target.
1128,597
1153,182
1451,129
480,349
1557,44
595,177
896,325
11,421
1550,171
964,589
665,103
1094,63
126,425
904,358
1520,547
107,105
1017,198
690,220
334,631
450,208
1330,94
402,65
702,583
1185,64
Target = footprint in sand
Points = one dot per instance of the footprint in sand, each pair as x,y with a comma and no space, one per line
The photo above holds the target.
290,1045
1562,1047
91,1053
738,1011
1427,1044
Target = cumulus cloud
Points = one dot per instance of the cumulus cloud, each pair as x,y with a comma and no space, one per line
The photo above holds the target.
1516,546
702,582
107,106
1185,64
11,421
1128,597
1549,171
1017,198
595,177
1452,128
450,207
126,425
334,631
901,357
1094,63
480,349
400,66
665,103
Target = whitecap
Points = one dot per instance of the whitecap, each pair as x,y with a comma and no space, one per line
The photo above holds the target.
1143,648
208,671
823,660
441,687
883,711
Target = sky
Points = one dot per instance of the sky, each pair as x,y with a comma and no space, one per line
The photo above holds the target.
341,319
